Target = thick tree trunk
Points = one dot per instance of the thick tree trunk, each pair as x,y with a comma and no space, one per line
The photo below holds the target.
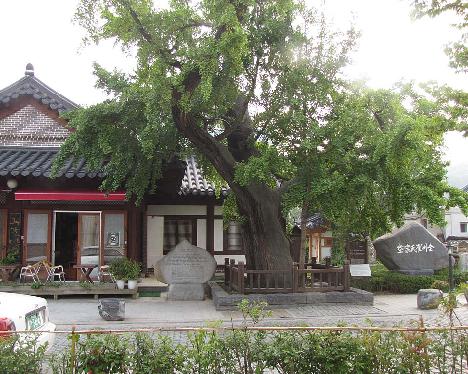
265,242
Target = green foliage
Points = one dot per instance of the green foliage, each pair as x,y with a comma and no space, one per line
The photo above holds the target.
125,269
440,285
255,90
252,352
19,357
12,257
390,281
37,285
85,285
103,354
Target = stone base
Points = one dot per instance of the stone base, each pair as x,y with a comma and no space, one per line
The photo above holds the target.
186,291
226,301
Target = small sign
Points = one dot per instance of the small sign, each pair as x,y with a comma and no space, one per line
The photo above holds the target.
361,270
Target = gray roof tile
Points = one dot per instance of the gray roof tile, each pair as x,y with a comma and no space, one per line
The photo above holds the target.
30,85
37,162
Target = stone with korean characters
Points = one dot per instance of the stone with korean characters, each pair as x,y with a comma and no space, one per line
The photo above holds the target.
186,269
411,249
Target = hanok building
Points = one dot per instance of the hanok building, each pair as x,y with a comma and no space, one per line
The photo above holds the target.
68,220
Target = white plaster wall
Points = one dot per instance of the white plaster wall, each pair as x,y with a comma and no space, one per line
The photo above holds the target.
154,239
176,210
454,217
218,235
201,233
218,210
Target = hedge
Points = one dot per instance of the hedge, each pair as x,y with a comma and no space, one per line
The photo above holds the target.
383,279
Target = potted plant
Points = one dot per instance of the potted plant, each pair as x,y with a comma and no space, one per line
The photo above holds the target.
133,272
118,268
124,270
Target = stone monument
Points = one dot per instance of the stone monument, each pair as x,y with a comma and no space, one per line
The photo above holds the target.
186,269
412,250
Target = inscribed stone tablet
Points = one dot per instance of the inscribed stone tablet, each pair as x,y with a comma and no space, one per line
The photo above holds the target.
412,250
186,263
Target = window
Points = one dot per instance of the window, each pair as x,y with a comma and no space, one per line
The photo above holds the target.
233,235
176,230
463,226
328,242
3,232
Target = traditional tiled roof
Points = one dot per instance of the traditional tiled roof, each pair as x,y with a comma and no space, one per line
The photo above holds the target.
194,183
37,162
465,188
30,85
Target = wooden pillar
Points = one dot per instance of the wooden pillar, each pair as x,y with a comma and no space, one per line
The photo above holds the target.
346,276
210,228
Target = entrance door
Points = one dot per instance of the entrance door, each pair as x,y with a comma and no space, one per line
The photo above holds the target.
88,239
37,236
114,236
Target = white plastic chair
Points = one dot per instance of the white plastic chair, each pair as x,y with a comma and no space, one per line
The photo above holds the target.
105,272
54,271
31,272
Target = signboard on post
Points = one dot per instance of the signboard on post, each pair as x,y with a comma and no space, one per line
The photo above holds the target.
360,270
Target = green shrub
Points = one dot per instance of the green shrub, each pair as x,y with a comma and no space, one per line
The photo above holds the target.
383,279
19,357
440,285
125,269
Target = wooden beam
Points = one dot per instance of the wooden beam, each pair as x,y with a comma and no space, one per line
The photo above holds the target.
210,228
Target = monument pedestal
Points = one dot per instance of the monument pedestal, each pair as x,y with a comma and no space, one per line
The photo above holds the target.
186,291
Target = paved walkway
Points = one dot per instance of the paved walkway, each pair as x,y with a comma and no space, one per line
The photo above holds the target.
157,312
388,310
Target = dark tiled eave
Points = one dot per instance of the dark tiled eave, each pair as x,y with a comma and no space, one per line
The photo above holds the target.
37,162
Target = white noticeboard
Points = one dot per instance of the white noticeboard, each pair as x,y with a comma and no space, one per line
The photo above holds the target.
361,270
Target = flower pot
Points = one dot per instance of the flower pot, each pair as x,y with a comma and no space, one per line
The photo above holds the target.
120,284
132,284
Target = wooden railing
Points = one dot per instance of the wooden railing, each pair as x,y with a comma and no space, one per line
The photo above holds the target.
308,279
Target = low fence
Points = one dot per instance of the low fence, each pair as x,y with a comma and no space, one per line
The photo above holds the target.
309,278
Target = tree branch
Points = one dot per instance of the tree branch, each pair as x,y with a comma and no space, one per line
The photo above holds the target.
148,37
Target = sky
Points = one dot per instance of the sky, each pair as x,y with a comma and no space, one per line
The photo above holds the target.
392,47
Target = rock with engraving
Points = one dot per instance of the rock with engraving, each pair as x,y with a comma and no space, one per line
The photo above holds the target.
411,249
186,269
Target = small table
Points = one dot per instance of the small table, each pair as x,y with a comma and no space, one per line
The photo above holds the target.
6,271
86,271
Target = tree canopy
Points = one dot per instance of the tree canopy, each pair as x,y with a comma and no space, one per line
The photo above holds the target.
255,90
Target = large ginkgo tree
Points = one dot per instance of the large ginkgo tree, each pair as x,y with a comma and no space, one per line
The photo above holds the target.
254,89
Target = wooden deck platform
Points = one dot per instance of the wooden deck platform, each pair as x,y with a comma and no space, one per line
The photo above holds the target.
69,288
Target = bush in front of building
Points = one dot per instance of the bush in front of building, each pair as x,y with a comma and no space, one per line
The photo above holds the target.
384,280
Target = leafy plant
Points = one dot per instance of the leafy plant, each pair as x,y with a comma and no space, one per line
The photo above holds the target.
12,257
19,357
37,285
440,285
125,269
